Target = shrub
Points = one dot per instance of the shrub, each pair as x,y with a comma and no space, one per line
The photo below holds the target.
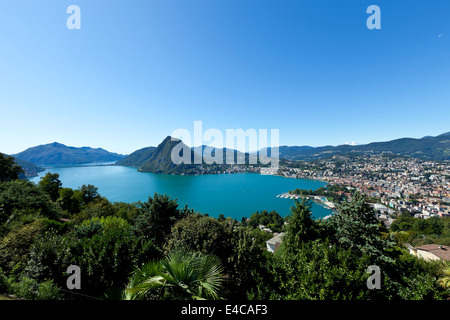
4,283
30,289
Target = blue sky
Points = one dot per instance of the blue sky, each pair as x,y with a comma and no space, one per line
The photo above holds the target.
138,70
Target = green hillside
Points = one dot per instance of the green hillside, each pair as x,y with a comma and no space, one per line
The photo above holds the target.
137,158
160,160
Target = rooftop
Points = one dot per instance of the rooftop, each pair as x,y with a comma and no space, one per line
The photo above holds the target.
440,251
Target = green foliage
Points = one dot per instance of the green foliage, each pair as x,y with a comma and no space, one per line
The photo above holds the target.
272,220
204,234
417,231
51,184
246,262
89,193
182,274
9,170
156,218
30,289
19,196
4,283
59,227
105,259
300,227
108,223
70,200
96,209
88,229
14,247
318,271
127,211
356,228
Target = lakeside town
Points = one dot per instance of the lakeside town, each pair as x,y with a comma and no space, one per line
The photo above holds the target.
393,184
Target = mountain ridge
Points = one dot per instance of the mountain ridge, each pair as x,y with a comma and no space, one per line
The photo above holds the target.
57,153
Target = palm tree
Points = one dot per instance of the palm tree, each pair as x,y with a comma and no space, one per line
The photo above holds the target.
182,274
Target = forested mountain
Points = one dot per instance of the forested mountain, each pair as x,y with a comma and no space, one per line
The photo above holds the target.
160,160
427,148
137,158
57,153
31,170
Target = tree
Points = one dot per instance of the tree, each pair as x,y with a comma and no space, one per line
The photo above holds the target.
356,228
156,218
182,274
89,193
203,234
19,196
70,200
9,170
300,227
51,185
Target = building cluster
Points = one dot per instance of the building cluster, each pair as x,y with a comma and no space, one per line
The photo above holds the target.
402,184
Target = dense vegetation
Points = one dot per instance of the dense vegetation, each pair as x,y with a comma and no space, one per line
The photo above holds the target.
137,158
334,193
417,232
157,250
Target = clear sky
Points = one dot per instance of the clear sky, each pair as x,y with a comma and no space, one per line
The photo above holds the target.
138,70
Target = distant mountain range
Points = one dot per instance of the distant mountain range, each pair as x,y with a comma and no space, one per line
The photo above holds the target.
57,153
158,159
426,148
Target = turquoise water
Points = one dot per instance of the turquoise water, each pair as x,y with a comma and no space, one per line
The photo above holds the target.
233,195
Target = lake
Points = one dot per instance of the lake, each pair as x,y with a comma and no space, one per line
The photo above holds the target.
233,195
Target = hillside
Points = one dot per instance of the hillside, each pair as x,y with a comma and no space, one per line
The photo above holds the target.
31,170
57,154
160,160
137,158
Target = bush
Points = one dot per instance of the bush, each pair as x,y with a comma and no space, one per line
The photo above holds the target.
30,289
105,259
108,223
20,195
14,247
89,230
4,283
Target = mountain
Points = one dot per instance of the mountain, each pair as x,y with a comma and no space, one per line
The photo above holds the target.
30,169
160,160
57,153
426,148
137,158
